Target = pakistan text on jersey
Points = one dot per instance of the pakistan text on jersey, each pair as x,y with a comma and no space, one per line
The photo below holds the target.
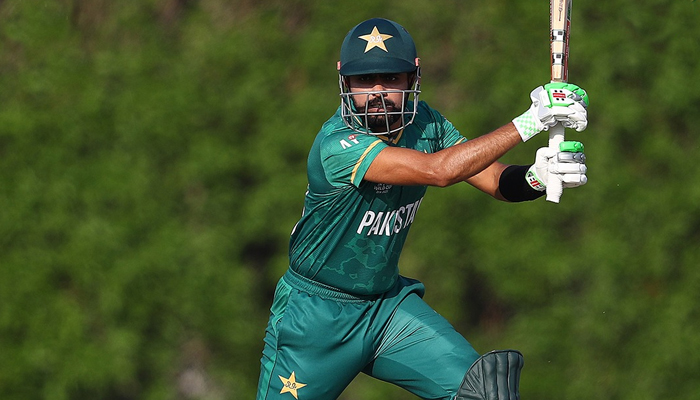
390,222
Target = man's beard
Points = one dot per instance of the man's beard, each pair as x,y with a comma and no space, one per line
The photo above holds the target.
378,121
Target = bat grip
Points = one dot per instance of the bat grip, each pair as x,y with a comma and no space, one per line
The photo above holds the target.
554,184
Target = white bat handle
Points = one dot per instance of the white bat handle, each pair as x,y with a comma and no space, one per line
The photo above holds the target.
554,185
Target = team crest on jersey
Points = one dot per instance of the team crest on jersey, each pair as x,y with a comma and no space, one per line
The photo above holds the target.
381,188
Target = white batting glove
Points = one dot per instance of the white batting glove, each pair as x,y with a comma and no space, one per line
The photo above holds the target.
568,165
552,103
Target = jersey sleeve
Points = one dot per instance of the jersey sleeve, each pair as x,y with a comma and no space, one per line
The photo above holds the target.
448,134
346,157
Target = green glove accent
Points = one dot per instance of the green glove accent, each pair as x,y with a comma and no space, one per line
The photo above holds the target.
571,147
567,86
527,126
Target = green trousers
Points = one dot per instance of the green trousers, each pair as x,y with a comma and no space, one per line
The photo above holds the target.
318,340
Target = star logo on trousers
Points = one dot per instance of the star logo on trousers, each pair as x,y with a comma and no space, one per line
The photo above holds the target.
290,385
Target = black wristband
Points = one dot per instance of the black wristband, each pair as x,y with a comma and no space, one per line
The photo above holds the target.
514,187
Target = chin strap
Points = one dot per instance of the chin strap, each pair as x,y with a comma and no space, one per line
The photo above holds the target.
493,376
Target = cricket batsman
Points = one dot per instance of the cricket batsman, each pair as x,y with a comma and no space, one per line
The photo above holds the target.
342,308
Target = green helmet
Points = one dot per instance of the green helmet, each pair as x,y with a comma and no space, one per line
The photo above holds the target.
379,46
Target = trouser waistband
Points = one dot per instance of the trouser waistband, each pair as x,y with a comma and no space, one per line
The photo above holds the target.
310,286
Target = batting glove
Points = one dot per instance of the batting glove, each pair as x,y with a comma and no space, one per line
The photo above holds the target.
552,103
568,165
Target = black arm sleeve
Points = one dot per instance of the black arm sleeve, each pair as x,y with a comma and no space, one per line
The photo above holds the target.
514,187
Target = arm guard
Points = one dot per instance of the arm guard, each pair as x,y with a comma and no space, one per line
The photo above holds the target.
514,184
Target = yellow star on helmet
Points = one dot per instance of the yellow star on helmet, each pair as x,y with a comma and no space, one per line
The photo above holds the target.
375,39
290,385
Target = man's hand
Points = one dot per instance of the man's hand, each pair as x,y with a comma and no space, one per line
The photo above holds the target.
568,165
555,102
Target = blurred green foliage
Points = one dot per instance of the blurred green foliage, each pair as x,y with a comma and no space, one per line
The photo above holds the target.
152,165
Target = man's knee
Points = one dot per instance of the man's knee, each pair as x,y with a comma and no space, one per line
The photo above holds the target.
493,376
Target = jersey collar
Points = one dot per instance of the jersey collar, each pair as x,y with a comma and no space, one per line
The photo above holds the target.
392,139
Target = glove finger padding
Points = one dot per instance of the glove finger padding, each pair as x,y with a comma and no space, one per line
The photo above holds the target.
568,167
573,180
572,169
553,103
562,93
574,116
575,101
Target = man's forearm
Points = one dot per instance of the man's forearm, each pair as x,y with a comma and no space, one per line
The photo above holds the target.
467,159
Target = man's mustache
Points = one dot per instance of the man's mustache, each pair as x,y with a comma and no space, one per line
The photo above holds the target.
386,104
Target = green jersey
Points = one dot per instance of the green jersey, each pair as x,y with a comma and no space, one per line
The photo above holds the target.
352,231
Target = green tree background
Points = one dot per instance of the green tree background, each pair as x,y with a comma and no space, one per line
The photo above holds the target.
152,165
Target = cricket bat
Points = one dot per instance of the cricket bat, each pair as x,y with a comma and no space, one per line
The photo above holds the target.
559,26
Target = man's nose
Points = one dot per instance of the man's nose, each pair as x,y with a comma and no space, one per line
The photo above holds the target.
378,86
